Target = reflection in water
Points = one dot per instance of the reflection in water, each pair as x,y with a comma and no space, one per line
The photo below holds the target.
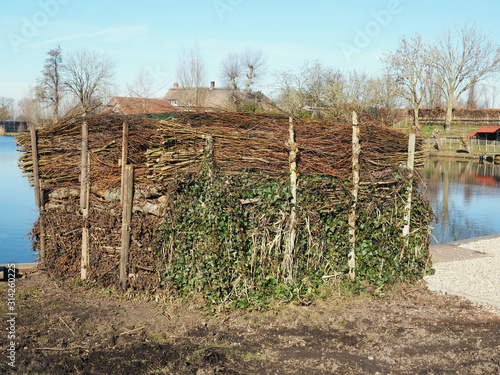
465,197
17,207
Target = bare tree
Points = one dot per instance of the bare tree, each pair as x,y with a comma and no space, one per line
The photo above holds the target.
433,97
287,89
360,90
462,60
488,95
472,99
191,75
32,109
6,108
231,70
88,74
315,89
142,87
50,86
387,97
253,60
27,108
409,67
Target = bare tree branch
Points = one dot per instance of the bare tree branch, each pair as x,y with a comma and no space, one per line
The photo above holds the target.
50,86
142,86
88,75
253,60
191,73
231,69
409,67
463,59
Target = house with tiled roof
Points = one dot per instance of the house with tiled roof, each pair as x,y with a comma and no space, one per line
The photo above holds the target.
133,106
212,98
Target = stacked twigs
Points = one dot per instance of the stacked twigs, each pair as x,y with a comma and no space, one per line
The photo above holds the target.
60,150
161,150
258,142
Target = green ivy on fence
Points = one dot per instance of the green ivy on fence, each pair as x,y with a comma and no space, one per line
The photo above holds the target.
225,236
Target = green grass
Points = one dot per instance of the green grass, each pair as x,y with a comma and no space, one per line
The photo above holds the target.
455,131
427,130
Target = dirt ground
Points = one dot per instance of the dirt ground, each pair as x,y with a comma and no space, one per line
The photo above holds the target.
64,329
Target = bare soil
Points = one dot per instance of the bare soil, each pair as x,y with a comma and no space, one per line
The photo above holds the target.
68,329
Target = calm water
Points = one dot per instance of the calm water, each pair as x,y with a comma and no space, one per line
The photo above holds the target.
465,196
17,207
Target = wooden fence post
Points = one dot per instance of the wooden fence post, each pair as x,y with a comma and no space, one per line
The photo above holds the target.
84,200
292,158
128,196
124,159
209,154
410,164
356,150
38,190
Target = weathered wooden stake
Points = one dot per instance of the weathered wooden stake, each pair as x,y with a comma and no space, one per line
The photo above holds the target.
84,200
128,196
38,190
410,164
292,158
356,150
209,155
124,159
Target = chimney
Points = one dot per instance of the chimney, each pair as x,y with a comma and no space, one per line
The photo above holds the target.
212,84
176,85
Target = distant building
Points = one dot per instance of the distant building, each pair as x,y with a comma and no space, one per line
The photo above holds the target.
490,133
133,106
213,98
14,126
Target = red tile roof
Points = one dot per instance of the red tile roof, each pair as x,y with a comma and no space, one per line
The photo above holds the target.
129,106
485,129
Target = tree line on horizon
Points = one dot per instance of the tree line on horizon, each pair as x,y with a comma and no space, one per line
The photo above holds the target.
415,75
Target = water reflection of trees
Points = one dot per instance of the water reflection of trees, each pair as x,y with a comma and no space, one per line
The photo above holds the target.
455,222
464,172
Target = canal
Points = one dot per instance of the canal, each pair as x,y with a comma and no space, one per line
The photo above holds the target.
465,197
17,207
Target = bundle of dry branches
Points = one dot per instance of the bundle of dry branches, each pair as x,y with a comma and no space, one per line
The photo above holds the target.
60,150
161,150
259,142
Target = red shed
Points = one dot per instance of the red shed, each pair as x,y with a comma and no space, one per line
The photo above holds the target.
491,133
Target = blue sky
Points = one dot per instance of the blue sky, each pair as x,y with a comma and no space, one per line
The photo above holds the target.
149,35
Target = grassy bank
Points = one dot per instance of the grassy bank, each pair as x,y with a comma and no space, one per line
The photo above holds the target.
449,148
427,130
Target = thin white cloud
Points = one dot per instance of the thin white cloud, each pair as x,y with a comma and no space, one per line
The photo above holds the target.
113,34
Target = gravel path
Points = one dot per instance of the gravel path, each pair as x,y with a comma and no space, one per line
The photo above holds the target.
475,279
